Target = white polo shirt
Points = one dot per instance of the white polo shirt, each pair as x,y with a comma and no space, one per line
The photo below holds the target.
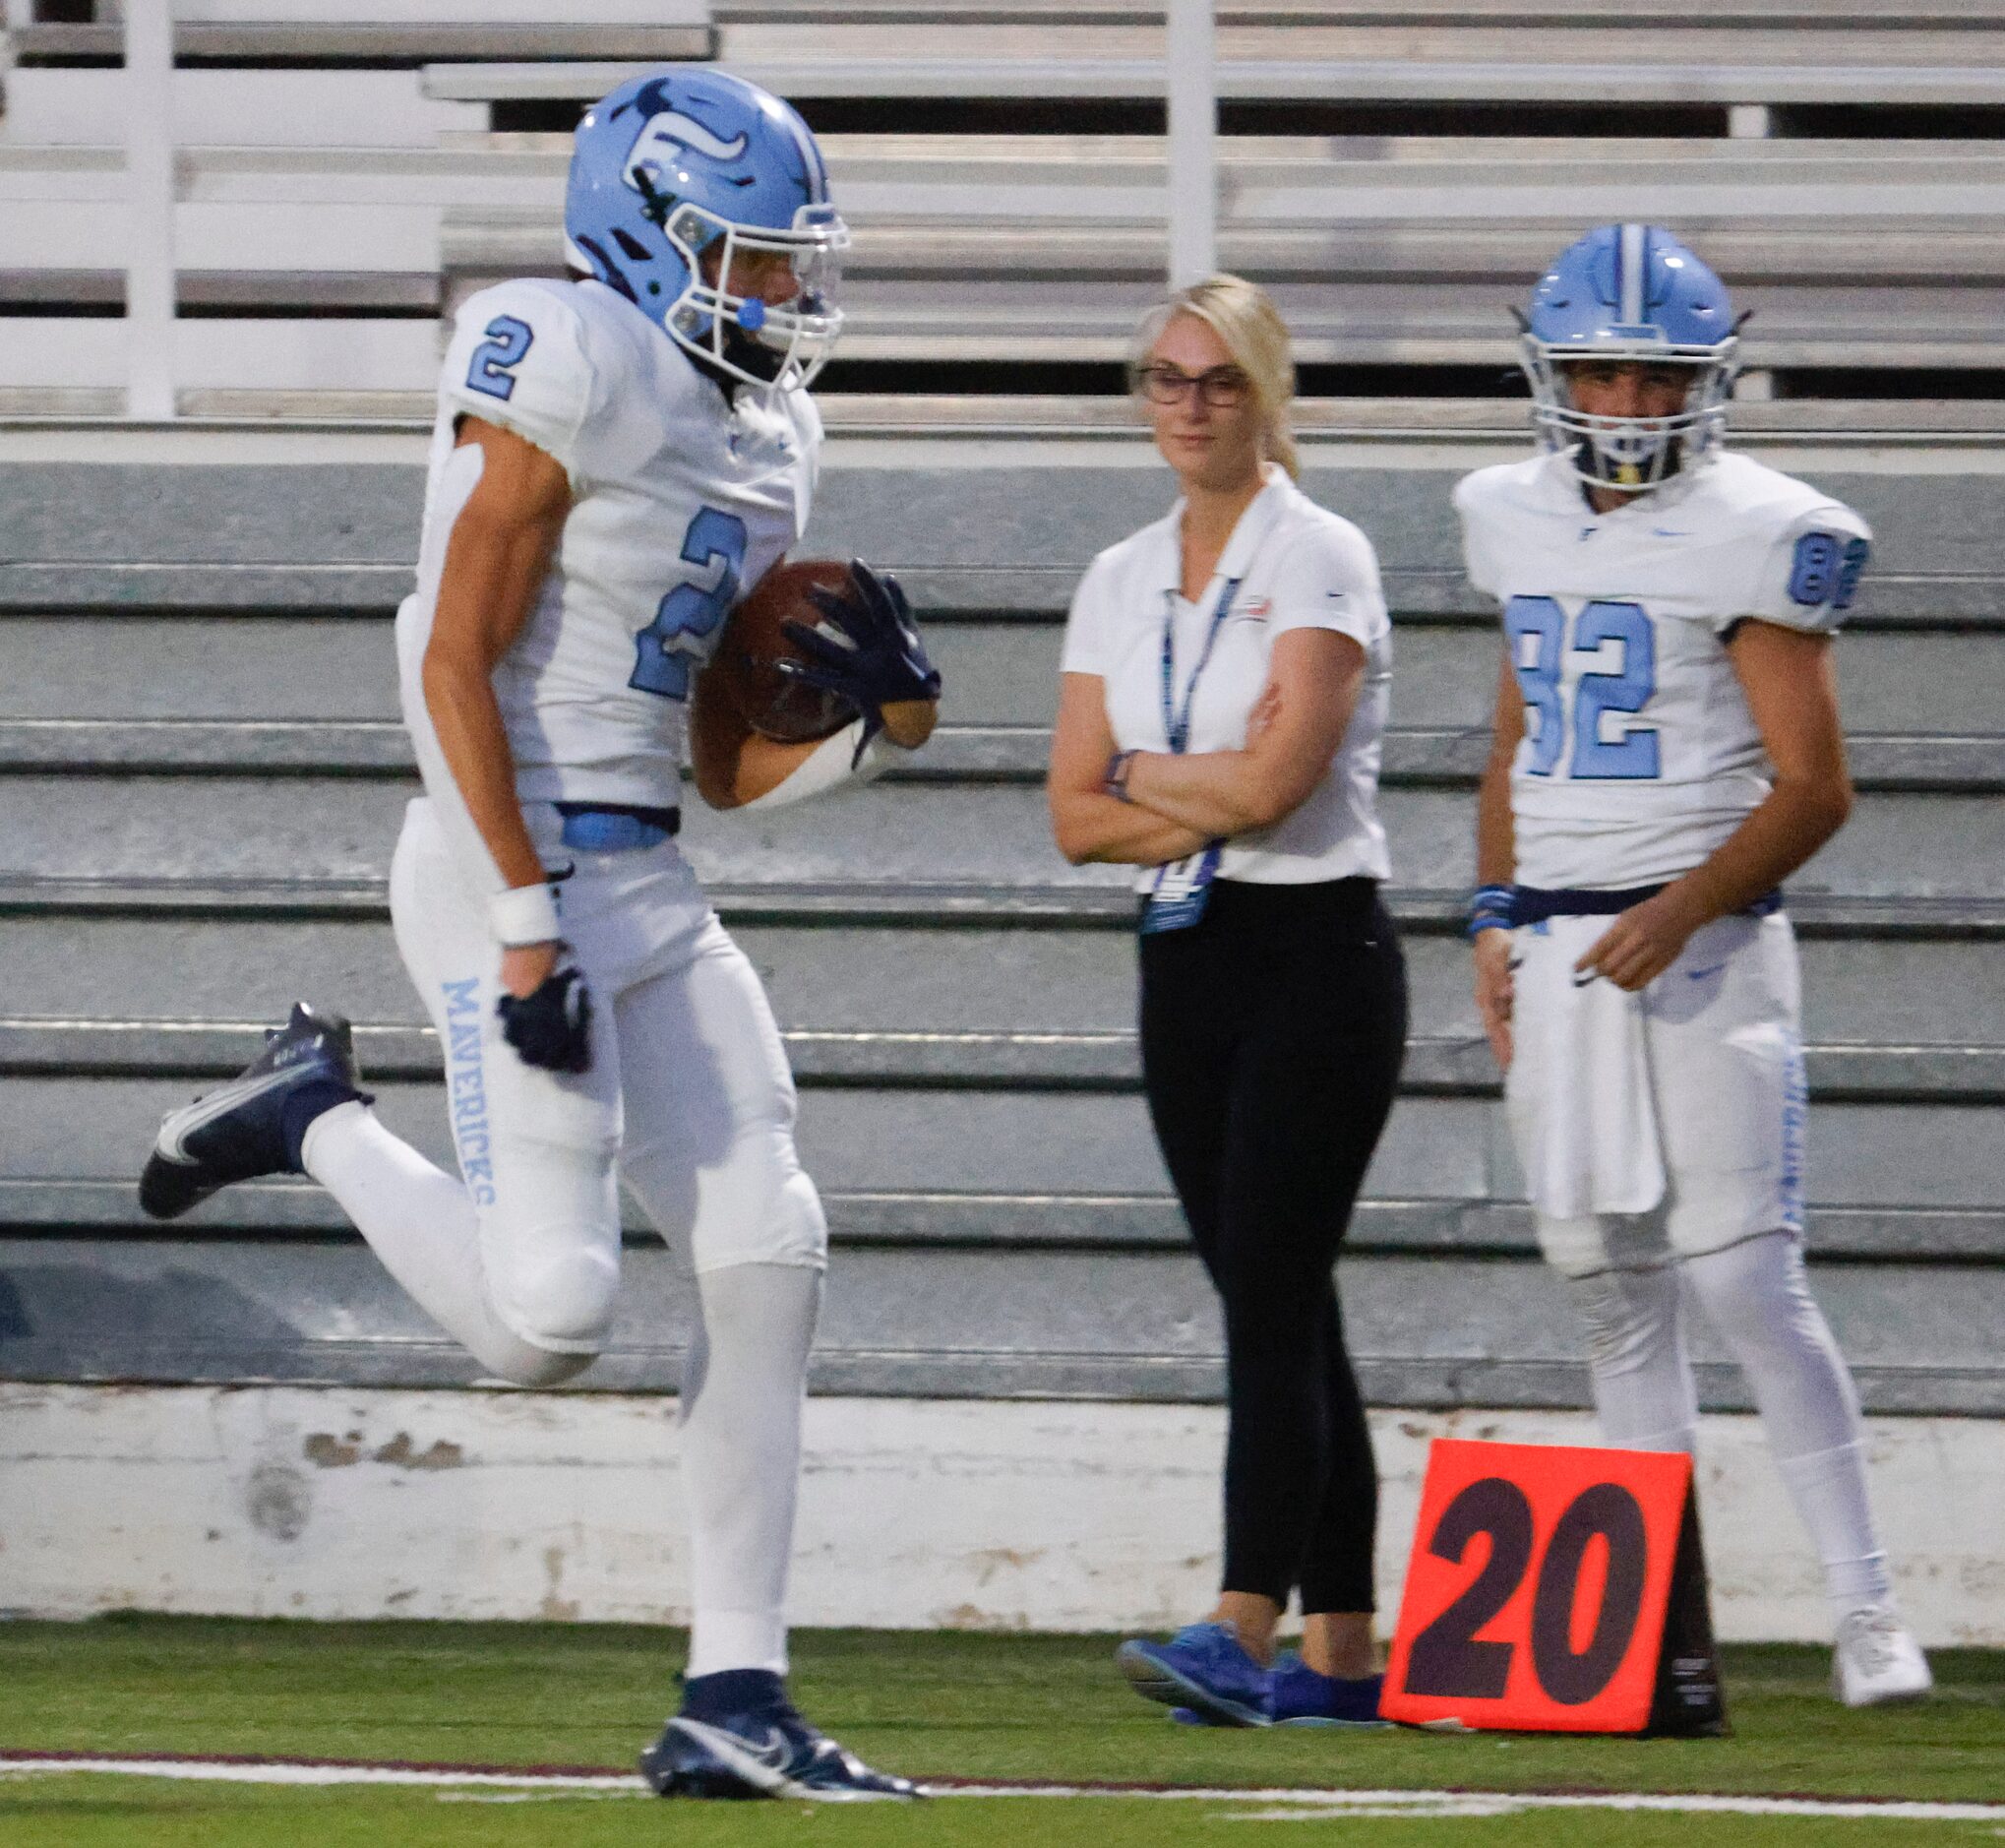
1291,565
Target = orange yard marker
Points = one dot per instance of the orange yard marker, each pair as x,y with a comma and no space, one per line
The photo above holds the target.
1554,1588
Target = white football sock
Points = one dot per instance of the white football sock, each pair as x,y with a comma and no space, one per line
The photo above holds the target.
1759,1297
419,1221
1643,1393
741,1416
1829,1489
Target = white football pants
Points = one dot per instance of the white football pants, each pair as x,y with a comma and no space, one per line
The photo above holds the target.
1704,1071
689,1098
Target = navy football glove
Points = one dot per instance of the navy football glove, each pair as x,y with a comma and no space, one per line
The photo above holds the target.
552,1027
875,658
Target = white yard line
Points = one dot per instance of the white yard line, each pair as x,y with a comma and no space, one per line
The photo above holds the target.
1275,1801
257,1771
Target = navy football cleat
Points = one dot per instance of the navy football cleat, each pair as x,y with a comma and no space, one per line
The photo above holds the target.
253,1124
1201,1670
744,1739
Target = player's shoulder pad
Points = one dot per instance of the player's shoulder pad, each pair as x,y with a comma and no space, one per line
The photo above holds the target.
807,416
523,356
1805,551
1490,503
1499,487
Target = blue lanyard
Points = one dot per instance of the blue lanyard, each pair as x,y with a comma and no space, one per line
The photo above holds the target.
1176,726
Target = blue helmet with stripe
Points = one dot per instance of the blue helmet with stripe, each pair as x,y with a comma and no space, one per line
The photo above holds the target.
1630,293
679,171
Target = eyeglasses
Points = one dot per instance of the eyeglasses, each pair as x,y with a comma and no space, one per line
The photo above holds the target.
1223,388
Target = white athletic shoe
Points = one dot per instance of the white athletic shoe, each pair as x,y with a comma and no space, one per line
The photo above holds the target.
1877,1659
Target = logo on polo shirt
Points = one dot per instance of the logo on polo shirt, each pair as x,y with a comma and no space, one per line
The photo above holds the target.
1254,609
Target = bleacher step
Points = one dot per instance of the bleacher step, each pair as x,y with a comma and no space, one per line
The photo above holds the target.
1412,758
266,673
1427,1329
343,828
1012,968
282,1209
827,1058
874,1137
403,45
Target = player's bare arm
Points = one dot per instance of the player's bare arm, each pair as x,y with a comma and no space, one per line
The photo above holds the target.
495,562
1089,822
1313,685
1792,692
1497,861
881,657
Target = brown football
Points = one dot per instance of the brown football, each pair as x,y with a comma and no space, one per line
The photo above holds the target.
744,667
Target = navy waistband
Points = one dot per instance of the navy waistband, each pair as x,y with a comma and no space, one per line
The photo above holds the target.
1533,904
616,827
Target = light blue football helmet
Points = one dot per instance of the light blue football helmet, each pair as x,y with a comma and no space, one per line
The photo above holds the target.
1630,291
686,160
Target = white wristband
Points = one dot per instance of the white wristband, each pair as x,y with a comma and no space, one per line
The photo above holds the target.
523,915
829,766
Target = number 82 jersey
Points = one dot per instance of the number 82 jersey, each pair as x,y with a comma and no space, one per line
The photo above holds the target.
1640,755
682,498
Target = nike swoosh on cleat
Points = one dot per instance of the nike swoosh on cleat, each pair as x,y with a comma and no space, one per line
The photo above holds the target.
205,1110
758,1767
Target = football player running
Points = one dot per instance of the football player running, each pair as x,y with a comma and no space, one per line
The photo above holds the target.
1667,752
615,458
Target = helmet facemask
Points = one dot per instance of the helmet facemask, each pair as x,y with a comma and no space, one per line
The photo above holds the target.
776,347
1630,452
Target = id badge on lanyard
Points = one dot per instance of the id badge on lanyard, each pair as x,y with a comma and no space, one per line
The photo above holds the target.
1183,889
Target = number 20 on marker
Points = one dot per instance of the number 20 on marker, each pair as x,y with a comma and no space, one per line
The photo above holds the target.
1538,1588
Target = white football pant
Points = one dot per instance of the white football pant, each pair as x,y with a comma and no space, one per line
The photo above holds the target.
689,1098
1708,1063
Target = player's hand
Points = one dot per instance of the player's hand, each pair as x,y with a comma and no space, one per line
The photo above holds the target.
908,723
551,1026
526,967
1642,943
875,658
1493,991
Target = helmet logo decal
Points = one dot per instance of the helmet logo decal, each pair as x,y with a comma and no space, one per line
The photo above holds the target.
671,130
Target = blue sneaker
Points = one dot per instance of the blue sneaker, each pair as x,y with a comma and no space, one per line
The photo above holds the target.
1201,1668
253,1124
738,1735
1303,1697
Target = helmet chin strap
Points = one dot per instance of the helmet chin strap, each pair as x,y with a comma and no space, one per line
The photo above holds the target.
764,362
1611,472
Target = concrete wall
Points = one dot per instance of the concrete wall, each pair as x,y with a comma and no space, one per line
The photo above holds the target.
339,1502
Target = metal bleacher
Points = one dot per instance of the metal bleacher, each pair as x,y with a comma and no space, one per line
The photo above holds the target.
1395,178
201,772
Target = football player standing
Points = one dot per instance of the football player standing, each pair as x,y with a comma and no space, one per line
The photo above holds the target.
615,458
1667,752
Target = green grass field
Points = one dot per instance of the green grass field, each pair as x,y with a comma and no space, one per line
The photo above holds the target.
980,1707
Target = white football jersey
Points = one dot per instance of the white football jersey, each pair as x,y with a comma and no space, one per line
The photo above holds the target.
1639,755
682,499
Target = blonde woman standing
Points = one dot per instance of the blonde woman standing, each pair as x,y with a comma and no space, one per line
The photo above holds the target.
1225,686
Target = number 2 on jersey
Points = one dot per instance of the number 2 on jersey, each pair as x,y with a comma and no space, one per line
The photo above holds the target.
492,368
1632,757
684,626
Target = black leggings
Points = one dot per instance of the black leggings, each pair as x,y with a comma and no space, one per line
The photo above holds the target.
1272,1032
